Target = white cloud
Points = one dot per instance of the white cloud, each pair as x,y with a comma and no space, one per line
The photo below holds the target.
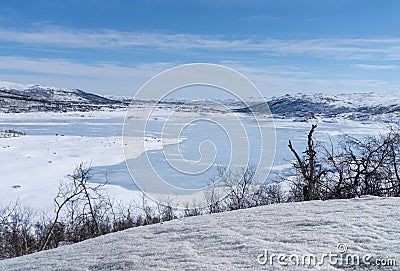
342,48
101,78
375,67
125,80
279,80
110,78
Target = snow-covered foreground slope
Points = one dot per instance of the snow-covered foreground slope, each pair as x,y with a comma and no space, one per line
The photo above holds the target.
234,240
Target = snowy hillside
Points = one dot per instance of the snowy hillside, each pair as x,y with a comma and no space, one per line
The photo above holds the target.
365,228
15,97
357,106
27,98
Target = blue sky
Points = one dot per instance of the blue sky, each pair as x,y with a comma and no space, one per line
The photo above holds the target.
113,47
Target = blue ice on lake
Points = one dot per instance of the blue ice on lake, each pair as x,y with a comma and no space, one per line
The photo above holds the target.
193,135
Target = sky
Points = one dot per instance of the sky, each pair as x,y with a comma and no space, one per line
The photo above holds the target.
113,47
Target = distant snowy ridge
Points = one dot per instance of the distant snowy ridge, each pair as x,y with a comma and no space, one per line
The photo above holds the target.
13,85
357,106
353,100
15,97
27,98
235,240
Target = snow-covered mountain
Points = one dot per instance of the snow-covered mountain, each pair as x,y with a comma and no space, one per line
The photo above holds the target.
360,106
364,228
16,97
26,98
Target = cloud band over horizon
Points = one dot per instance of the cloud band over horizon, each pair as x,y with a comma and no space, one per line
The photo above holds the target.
116,60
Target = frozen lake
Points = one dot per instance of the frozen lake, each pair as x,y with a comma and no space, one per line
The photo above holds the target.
100,128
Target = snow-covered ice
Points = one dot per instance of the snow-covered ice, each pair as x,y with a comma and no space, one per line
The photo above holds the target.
32,165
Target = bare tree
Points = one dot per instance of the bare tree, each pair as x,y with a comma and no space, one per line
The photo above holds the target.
150,216
18,233
76,193
213,197
240,185
192,209
166,210
352,167
269,194
393,170
366,164
311,171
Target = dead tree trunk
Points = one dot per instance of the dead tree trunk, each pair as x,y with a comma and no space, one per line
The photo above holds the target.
306,166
